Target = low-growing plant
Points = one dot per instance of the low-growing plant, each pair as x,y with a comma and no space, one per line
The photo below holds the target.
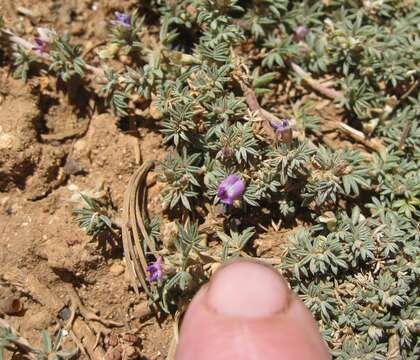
251,146
51,347
94,216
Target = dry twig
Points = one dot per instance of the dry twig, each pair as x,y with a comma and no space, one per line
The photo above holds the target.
89,315
405,132
316,85
255,107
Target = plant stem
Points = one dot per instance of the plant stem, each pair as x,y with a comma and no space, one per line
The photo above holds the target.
316,85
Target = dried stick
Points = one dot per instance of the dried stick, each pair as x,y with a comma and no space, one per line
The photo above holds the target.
255,107
316,85
77,306
405,132
360,137
86,340
78,343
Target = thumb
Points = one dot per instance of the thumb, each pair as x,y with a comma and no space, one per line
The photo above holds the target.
248,312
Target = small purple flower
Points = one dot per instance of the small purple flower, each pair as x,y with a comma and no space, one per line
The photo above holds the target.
230,189
300,33
122,19
281,125
44,40
283,129
41,46
155,270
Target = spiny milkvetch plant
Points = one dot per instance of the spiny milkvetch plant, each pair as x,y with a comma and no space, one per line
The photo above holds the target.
231,86
94,215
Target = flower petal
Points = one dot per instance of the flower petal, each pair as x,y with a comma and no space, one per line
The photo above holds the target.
230,189
230,180
236,190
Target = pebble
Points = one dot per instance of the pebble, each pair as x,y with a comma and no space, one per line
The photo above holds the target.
141,311
116,269
6,141
77,29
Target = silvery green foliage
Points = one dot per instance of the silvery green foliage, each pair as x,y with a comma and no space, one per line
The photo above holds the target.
355,264
94,216
359,276
66,59
235,242
6,340
180,174
24,61
188,241
357,273
52,349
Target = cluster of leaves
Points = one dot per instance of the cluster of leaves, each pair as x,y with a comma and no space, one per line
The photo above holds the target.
358,275
95,215
51,347
65,60
355,266
6,340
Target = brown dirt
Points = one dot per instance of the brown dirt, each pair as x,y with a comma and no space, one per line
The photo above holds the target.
49,151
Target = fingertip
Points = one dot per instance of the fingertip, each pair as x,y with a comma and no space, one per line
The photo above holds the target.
247,311
247,289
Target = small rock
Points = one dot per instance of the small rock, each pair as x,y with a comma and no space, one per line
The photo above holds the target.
141,311
11,305
73,187
112,340
168,233
77,29
79,148
116,269
154,111
7,141
64,313
72,167
131,338
40,320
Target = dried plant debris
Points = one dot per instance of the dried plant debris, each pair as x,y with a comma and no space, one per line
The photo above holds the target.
248,154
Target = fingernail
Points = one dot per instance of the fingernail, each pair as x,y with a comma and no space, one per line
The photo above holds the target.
248,290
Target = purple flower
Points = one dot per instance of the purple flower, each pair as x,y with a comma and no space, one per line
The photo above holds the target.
155,270
41,46
44,40
122,19
300,33
281,125
230,189
283,129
